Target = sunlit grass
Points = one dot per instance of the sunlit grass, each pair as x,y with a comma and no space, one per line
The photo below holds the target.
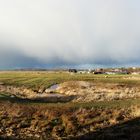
46,79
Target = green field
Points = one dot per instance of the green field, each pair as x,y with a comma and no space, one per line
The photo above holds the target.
45,79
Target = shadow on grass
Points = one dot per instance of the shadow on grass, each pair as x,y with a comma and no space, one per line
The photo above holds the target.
14,99
129,130
7,138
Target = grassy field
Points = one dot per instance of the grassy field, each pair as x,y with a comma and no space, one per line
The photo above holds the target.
23,119
36,80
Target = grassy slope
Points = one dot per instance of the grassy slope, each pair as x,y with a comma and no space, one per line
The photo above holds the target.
52,121
4,97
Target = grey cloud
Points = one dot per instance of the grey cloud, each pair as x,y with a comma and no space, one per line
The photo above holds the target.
70,32
13,59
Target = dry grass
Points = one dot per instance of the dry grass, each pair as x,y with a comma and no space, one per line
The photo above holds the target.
135,111
42,122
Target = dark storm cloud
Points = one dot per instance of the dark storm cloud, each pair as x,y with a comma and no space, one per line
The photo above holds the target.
10,59
52,33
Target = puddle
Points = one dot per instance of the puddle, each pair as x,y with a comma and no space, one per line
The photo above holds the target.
53,87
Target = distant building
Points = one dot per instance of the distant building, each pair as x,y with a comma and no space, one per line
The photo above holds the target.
98,72
73,70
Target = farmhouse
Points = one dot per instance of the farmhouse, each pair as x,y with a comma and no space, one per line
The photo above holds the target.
73,70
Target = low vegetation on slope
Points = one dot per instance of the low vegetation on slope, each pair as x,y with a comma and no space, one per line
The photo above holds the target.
65,121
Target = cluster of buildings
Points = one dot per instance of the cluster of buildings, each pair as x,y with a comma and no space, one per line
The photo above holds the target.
109,71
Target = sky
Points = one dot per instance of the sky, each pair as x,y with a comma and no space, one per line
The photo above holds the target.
69,33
